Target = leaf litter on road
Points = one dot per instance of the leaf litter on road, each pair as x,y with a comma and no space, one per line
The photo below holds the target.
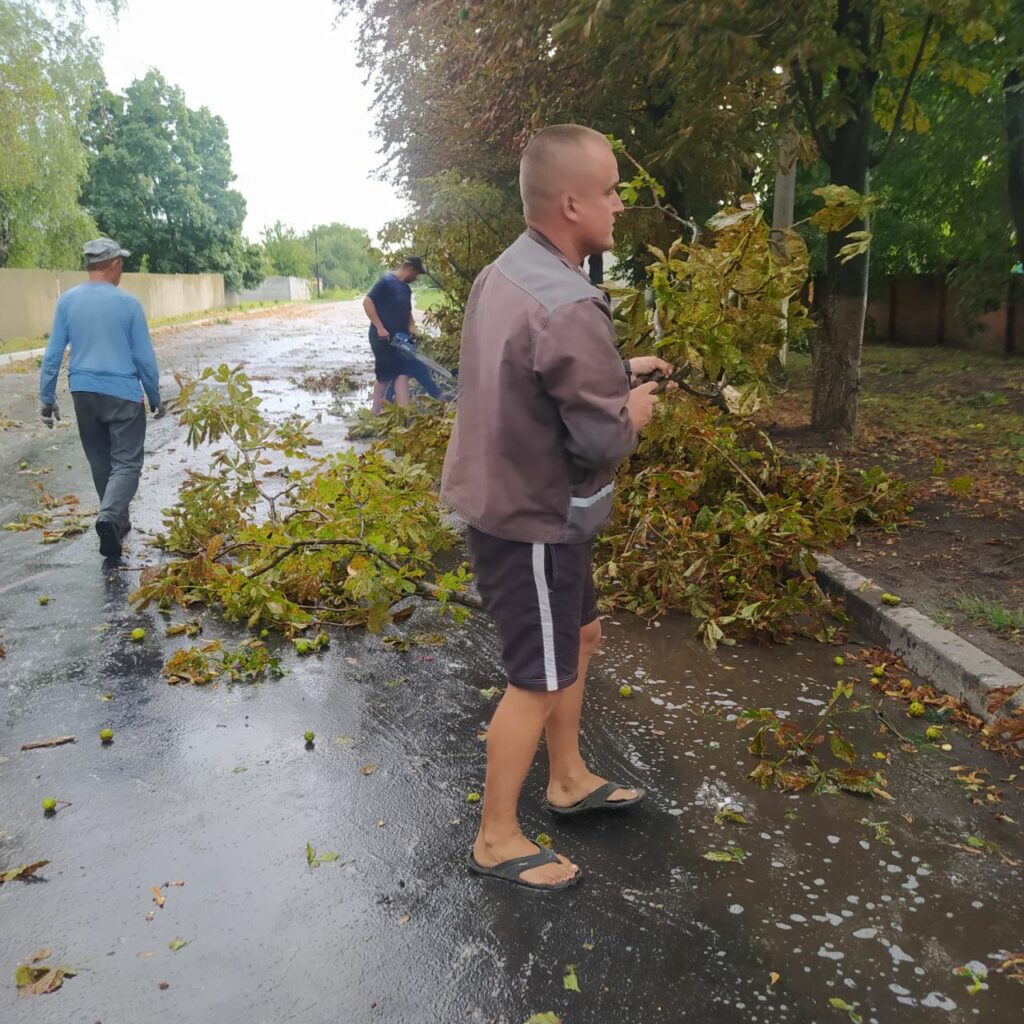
23,872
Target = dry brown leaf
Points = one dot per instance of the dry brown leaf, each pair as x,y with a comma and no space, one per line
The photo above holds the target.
1012,729
158,898
773,979
144,954
999,696
368,769
23,871
38,981
179,883
404,919
55,741
150,916
40,954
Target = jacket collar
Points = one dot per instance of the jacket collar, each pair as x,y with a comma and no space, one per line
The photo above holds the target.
541,239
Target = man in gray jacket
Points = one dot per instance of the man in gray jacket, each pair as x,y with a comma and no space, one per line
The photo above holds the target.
545,413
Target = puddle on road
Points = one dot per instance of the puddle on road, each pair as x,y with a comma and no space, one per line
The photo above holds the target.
842,897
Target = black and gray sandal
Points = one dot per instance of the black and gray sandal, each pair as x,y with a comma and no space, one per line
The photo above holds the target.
598,801
510,870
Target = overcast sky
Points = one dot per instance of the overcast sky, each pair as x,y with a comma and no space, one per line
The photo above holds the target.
286,83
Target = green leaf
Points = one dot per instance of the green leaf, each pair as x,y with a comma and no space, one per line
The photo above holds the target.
544,1018
326,858
310,854
569,980
961,484
176,944
730,814
731,855
842,749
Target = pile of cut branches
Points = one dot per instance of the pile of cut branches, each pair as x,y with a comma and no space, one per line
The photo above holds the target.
342,539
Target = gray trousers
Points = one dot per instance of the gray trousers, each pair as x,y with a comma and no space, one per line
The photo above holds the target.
113,433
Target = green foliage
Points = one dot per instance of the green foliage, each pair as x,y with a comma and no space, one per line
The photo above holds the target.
49,67
201,665
160,183
460,225
285,254
711,520
338,540
718,303
418,432
797,764
347,258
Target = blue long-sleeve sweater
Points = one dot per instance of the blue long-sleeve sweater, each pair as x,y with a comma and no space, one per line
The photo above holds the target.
111,353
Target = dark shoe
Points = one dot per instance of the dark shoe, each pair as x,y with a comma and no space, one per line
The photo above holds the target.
598,801
127,529
110,542
510,870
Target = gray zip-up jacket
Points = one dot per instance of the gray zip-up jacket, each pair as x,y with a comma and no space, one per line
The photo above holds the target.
541,419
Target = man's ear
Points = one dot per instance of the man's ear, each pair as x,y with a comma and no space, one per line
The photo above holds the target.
569,207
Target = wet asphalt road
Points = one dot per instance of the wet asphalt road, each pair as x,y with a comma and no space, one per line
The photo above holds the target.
215,787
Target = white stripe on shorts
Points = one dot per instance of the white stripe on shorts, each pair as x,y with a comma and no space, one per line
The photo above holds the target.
547,629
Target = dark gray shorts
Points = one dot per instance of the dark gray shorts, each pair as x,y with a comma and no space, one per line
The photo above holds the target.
540,596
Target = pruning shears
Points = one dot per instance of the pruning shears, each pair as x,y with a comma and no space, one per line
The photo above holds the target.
680,377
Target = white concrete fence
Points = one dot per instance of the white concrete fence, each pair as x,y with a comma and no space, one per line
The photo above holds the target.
28,297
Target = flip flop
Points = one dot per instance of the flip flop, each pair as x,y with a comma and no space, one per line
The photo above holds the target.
598,801
510,870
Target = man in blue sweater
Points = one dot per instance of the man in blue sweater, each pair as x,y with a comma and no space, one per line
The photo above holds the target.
112,363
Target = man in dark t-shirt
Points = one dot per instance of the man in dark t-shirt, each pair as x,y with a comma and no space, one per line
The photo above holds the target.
388,305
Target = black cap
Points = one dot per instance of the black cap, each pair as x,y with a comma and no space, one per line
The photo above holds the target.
416,263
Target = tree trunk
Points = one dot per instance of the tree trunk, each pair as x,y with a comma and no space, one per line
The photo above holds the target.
782,212
5,232
836,356
1013,95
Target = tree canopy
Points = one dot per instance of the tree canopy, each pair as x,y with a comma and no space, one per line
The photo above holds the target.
914,101
160,183
345,255
49,69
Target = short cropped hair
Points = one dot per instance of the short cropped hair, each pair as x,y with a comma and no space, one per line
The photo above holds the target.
544,154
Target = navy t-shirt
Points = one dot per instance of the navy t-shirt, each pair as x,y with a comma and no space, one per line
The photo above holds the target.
393,299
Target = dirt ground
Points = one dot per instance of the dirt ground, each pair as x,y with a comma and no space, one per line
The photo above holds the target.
951,424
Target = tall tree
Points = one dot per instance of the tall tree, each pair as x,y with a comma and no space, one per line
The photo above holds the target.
852,67
49,70
285,254
160,182
347,259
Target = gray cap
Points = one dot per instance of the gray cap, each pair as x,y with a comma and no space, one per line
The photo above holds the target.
99,250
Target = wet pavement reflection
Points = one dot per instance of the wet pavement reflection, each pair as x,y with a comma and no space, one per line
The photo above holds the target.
871,902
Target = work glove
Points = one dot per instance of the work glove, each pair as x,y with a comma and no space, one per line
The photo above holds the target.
159,411
48,412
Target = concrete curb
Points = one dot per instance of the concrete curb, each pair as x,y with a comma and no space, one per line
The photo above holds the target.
10,358
944,659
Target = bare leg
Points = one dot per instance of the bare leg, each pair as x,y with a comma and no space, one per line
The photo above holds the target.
402,390
380,387
511,745
570,779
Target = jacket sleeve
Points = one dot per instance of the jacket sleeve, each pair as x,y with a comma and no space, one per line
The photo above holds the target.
53,357
577,362
144,358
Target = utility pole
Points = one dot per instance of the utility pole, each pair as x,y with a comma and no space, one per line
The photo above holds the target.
316,255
